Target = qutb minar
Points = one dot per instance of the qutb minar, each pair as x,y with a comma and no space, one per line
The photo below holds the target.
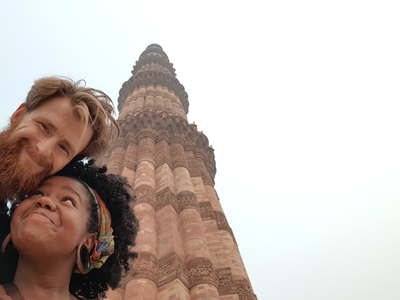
186,248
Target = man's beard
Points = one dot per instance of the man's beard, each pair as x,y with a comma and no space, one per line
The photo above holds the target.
16,179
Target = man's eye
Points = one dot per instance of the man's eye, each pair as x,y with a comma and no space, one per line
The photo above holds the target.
63,148
44,127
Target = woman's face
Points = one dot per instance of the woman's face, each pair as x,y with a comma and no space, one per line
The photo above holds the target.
55,215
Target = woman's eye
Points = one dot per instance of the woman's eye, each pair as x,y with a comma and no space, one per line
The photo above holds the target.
33,195
69,201
36,193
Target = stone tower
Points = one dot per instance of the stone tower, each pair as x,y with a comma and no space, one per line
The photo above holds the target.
186,248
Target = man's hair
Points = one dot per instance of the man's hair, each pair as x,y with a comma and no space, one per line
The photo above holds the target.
113,190
92,106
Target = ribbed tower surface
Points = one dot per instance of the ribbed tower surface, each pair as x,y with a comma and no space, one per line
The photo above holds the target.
186,248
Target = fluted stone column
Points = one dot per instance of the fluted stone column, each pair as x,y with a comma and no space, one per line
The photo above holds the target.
129,164
144,285
116,158
141,289
172,278
201,277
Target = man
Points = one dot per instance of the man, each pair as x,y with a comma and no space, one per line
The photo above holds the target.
60,120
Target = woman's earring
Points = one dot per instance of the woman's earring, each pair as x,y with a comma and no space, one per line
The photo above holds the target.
6,241
83,259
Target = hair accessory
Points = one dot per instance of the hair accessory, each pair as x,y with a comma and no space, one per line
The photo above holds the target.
104,245
105,240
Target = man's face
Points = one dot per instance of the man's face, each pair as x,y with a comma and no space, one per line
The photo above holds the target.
39,143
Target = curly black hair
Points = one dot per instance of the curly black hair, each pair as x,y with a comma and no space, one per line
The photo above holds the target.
113,190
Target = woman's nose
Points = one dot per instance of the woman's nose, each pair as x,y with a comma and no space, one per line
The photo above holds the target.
45,202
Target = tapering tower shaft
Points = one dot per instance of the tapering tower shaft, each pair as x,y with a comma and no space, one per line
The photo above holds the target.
186,248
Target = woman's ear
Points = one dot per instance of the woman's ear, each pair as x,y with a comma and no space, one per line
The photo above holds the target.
90,241
17,115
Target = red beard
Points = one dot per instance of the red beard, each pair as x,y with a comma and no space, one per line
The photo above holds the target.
16,180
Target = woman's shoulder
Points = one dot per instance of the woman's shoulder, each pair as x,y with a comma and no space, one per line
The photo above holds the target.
3,294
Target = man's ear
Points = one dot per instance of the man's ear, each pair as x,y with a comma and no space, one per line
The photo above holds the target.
90,241
17,115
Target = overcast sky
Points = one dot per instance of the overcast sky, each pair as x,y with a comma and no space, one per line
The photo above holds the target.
299,99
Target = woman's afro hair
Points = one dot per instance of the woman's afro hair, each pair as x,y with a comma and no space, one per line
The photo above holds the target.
113,190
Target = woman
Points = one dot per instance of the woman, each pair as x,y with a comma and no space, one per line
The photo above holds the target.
62,244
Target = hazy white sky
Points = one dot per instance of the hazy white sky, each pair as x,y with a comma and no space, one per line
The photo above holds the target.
299,99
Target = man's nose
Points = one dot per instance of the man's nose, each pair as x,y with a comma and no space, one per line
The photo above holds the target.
45,147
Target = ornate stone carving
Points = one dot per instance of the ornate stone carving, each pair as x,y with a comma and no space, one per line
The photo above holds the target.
161,159
200,271
245,292
145,195
170,267
228,286
206,210
207,213
222,223
196,166
146,141
164,198
145,152
207,180
146,148
186,200
176,147
178,158
173,129
145,266
178,161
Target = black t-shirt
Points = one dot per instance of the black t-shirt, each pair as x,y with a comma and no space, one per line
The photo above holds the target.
4,220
